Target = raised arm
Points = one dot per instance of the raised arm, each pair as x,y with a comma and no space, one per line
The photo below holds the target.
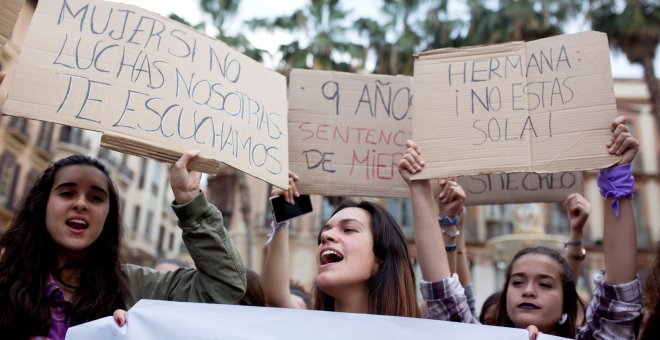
616,305
463,266
219,276
443,293
450,203
431,252
620,236
577,210
276,272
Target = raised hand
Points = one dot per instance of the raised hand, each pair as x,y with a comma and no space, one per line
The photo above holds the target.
411,163
622,142
578,210
452,197
184,182
291,192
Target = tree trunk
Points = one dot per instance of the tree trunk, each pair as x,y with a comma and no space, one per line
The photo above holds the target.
653,86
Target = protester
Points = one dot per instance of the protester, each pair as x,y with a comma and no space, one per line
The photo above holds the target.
539,278
577,211
651,329
60,264
488,315
254,294
363,263
300,296
451,205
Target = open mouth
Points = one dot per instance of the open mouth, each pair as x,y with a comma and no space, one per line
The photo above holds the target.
330,256
77,224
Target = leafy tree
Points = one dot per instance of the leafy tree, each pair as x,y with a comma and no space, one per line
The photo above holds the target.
518,20
634,30
323,21
438,28
200,27
223,12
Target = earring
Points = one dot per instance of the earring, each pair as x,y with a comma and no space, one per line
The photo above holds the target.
563,318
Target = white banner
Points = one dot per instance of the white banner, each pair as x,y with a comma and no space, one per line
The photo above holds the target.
151,319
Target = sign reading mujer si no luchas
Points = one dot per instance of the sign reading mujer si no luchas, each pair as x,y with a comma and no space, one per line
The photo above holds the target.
153,87
540,106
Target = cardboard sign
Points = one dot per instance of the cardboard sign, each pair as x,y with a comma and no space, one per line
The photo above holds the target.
348,132
154,87
520,187
541,106
151,319
9,10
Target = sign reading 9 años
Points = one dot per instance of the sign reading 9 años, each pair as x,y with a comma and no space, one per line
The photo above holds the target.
348,132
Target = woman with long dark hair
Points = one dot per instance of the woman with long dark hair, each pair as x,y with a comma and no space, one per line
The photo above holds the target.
363,265
539,293
60,258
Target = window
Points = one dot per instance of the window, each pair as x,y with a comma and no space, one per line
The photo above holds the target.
71,135
31,177
9,171
559,223
401,210
221,193
499,220
171,242
19,124
45,136
143,173
161,238
136,217
643,235
150,221
155,177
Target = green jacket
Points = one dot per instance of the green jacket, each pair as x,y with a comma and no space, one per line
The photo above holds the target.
220,274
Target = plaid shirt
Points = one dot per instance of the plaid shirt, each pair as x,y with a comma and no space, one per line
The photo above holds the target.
446,300
59,322
615,311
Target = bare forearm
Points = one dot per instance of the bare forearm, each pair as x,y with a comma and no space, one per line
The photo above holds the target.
620,243
428,237
574,246
276,271
463,268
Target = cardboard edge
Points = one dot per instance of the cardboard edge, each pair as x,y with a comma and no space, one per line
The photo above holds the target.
471,50
134,147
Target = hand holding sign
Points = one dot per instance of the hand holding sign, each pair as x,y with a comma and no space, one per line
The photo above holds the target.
540,106
154,87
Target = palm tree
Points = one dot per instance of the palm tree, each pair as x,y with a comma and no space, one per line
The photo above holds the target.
223,12
636,32
439,28
328,47
518,20
383,51
393,56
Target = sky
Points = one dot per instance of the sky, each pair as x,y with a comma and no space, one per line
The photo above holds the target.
270,41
